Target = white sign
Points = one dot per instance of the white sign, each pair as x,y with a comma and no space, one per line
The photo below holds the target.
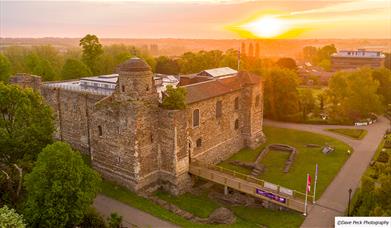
286,191
270,186
362,222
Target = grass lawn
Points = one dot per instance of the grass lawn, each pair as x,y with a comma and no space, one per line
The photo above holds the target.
352,133
304,163
132,199
200,205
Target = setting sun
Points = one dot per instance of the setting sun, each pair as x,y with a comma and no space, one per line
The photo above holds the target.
266,27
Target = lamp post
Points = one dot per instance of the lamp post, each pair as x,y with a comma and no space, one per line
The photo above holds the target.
350,193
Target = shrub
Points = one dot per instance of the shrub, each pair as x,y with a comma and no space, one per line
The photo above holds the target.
387,143
383,157
175,98
93,219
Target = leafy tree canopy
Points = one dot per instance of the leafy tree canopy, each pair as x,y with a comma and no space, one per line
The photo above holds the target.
353,95
60,188
26,124
5,68
92,49
74,68
165,65
281,94
175,98
288,63
9,218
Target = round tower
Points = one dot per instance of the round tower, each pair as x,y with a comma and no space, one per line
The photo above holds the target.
135,79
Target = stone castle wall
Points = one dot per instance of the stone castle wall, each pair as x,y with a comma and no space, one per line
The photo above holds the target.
136,143
72,110
26,80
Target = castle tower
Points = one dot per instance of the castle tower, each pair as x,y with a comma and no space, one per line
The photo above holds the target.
124,139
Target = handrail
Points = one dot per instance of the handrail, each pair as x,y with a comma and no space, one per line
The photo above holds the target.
296,194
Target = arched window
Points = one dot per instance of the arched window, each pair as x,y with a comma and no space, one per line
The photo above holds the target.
236,124
236,103
219,108
199,142
257,101
100,132
196,118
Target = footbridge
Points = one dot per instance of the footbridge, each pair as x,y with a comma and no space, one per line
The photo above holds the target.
253,186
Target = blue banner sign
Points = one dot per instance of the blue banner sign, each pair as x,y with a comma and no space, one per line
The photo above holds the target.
271,196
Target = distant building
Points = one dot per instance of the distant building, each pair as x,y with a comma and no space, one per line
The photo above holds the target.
118,120
344,60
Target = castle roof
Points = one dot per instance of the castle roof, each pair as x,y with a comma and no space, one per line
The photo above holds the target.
134,65
220,86
218,72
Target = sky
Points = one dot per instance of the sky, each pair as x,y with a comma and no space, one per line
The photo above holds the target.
209,19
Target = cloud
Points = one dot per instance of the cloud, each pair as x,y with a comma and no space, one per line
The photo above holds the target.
347,7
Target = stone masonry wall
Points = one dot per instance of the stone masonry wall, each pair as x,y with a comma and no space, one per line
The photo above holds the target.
72,110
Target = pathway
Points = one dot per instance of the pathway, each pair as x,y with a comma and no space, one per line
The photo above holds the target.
334,200
131,216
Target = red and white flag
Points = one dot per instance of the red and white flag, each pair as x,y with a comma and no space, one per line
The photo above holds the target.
309,183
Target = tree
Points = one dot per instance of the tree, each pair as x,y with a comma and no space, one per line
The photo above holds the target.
5,68
281,94
39,66
115,220
387,61
288,63
74,68
92,49
174,98
9,218
309,53
60,188
307,102
383,77
325,64
165,65
26,124
353,95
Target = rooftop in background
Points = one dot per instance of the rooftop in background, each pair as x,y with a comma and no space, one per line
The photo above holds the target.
206,84
218,72
360,53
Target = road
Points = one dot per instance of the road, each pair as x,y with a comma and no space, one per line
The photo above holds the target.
131,216
334,200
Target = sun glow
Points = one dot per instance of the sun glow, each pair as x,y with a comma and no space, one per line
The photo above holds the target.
267,27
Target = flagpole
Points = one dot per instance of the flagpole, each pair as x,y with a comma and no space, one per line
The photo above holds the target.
316,180
306,194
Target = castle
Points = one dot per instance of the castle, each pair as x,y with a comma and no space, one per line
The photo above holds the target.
117,119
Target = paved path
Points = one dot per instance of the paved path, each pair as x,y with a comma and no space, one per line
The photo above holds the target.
131,216
334,200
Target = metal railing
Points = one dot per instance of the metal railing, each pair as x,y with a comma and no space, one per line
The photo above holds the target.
296,194
78,88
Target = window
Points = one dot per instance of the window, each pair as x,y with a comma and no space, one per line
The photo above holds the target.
199,142
147,88
123,89
236,103
100,130
236,124
257,100
118,159
151,138
196,118
219,111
